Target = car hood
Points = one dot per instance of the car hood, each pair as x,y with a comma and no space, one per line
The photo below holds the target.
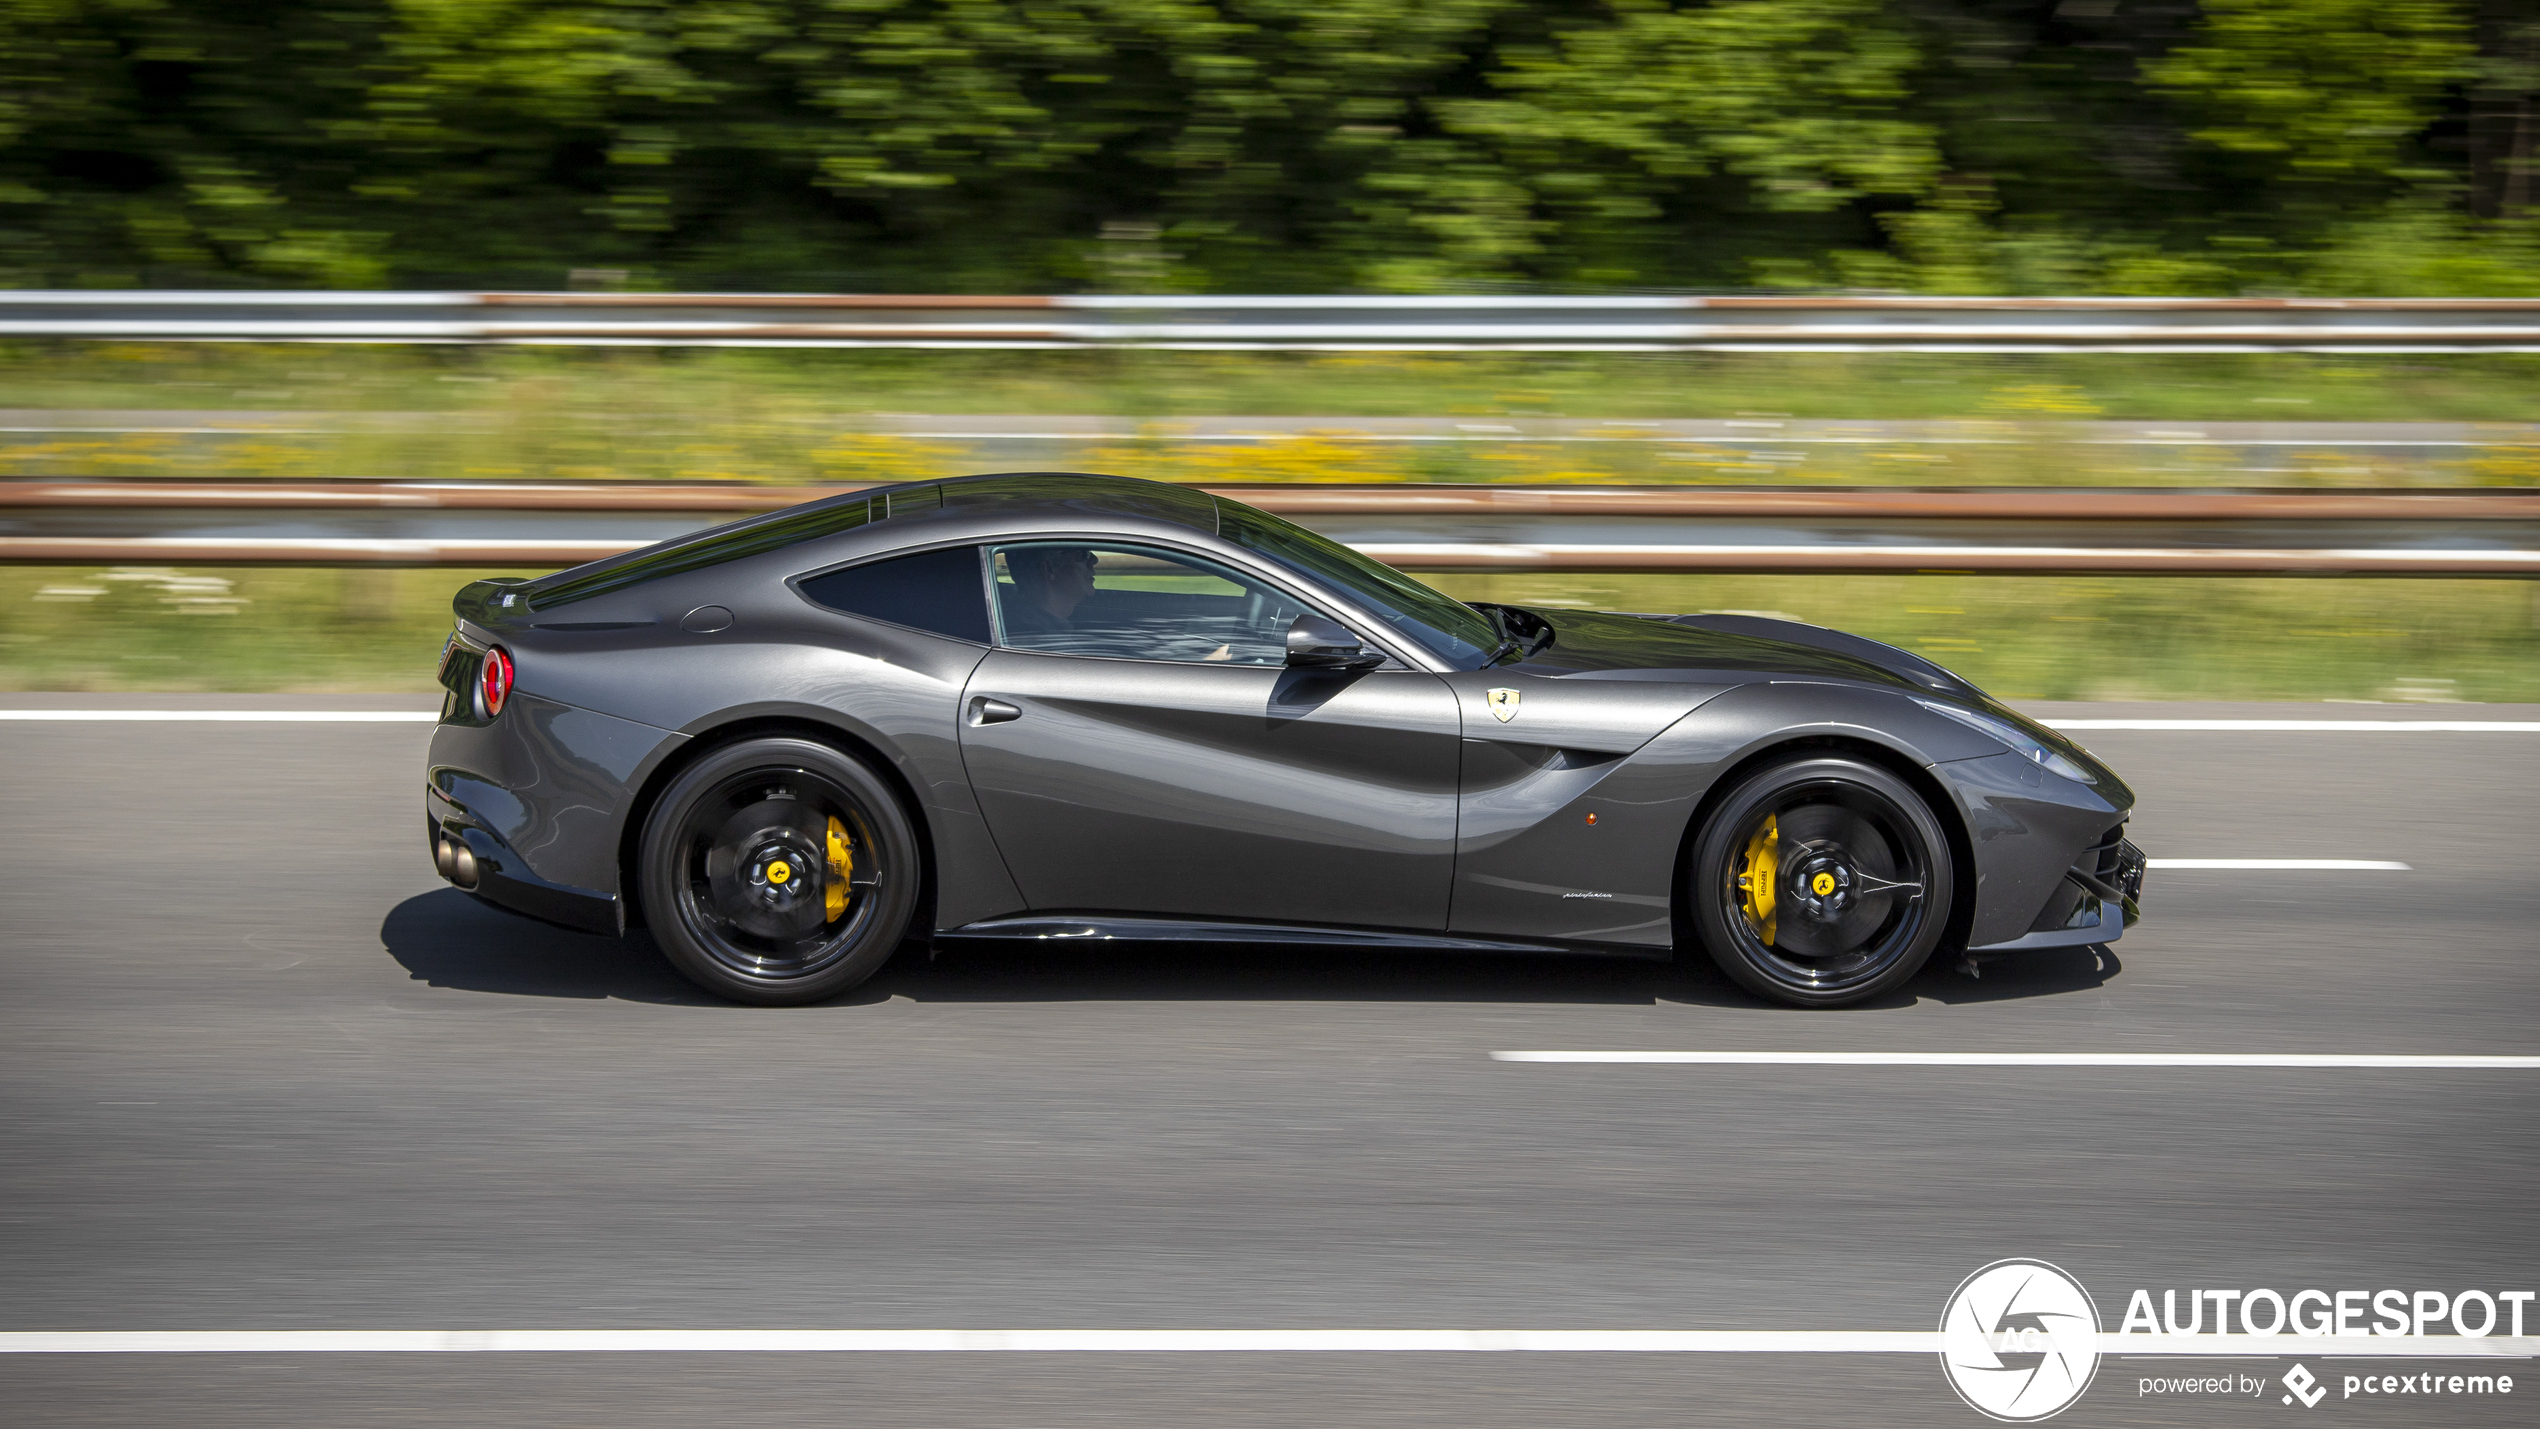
1716,649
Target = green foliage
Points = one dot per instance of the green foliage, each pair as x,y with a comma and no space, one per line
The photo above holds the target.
1801,97
1618,127
1297,145
2333,87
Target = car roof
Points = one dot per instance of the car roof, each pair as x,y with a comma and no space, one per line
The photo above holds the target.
1036,494
1025,495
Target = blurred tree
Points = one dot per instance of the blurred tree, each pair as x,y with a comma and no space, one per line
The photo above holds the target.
2320,89
2008,145
1299,143
151,137
2504,130
2312,112
1641,125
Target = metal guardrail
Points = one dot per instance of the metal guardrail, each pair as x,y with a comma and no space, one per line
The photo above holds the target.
1434,528
1303,323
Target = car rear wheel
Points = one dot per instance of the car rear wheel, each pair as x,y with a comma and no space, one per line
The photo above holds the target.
778,871
1820,882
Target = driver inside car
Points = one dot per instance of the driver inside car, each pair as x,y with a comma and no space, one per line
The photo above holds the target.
1049,583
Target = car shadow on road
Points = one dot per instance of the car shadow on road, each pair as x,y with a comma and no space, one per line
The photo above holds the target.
2039,974
448,940
1029,972
1236,972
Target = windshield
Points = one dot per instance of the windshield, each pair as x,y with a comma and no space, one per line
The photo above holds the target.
1446,628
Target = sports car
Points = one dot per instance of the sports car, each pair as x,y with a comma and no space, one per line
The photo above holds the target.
1061,706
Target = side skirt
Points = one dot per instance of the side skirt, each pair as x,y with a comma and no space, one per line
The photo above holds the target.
1133,928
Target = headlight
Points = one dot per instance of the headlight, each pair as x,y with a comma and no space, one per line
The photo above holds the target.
2018,739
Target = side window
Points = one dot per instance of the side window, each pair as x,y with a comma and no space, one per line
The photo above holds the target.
1137,603
932,590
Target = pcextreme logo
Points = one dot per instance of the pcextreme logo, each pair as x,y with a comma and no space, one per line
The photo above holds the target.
2019,1340
2305,1386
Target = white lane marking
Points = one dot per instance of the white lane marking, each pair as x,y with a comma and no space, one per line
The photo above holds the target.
2035,1059
1857,1342
236,716
2313,726
2347,865
931,1341
1412,553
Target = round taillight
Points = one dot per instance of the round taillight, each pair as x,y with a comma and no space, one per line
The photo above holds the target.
494,682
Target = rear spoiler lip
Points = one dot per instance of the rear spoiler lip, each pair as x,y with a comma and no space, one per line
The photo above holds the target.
491,603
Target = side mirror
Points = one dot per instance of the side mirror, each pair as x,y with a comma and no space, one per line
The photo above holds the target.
1318,644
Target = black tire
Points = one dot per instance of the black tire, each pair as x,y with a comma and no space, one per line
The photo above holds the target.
739,873
1859,882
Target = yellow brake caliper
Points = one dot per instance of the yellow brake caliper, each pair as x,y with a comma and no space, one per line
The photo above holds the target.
1757,875
841,864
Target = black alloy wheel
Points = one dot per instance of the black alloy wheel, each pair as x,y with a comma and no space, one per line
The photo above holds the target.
1821,882
778,871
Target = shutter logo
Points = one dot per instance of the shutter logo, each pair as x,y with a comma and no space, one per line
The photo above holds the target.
2019,1340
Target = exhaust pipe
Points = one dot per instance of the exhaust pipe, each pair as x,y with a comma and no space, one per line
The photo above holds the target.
455,860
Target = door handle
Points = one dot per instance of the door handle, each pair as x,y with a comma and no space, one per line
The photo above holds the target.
987,711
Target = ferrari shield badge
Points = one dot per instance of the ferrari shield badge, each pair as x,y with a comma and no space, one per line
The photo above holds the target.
1503,703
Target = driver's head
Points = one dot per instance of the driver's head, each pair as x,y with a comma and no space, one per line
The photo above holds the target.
1053,579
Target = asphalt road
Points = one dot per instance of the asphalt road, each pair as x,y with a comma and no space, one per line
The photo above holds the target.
259,1069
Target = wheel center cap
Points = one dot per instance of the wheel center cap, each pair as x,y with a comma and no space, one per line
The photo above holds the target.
1822,883
779,871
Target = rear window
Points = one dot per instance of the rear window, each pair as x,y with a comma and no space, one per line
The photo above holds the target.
940,591
755,536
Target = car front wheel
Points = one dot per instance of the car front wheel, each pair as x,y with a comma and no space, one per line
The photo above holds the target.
1821,881
778,871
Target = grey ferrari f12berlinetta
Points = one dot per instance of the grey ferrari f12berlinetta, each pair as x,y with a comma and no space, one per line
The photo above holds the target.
1049,706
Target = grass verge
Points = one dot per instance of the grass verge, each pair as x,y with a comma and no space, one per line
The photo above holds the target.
1131,383
805,416
2153,638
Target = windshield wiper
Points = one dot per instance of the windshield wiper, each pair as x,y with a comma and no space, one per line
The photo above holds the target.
1507,628
1508,644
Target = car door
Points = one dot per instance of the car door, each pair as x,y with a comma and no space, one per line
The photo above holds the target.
1138,745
